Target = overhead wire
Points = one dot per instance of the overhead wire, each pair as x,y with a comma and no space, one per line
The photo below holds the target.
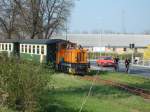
89,93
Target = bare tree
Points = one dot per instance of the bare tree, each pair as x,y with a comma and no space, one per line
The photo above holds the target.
7,17
56,15
33,18
43,17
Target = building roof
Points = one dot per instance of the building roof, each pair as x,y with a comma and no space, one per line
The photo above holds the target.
108,39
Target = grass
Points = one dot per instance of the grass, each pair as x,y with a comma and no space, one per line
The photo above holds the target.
68,93
132,80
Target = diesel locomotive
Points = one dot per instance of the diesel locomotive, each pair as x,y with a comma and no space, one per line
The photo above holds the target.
63,55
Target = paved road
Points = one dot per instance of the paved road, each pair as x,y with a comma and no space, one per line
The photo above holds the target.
142,71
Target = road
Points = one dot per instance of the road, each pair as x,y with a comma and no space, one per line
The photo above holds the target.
142,71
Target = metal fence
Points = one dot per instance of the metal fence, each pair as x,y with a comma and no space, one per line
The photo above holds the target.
144,63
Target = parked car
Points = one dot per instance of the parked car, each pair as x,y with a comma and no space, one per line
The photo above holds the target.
105,61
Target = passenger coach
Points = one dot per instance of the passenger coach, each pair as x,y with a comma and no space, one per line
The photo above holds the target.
41,50
64,55
9,47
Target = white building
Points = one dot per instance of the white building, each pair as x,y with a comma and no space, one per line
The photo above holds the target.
112,42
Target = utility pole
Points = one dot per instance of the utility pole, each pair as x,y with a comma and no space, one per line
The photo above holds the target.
100,37
100,43
66,31
132,46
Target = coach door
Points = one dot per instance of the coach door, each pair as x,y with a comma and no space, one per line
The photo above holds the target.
17,49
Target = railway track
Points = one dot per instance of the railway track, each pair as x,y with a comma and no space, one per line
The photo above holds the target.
135,90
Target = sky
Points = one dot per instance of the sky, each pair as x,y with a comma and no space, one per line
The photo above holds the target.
116,15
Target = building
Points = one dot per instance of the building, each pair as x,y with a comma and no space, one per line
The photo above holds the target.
118,43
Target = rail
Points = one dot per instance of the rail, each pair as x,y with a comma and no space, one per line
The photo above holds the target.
135,90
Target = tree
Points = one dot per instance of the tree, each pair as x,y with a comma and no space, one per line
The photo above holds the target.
44,17
7,17
33,18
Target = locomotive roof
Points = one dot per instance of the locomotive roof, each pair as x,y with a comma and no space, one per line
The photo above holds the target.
33,41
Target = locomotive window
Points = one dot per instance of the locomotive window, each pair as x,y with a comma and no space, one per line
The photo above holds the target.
83,56
78,57
42,49
33,49
29,48
38,49
26,48
10,47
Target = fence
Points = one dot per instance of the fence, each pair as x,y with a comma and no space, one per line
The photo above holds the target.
144,63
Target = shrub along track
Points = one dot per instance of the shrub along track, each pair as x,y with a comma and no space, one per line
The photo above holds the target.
135,90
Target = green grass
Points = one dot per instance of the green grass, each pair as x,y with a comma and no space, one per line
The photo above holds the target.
132,80
68,93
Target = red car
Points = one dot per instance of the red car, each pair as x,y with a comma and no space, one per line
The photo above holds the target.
106,61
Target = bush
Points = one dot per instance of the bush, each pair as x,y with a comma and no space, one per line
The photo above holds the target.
22,83
5,109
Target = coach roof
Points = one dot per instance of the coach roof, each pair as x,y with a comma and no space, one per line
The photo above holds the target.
41,41
33,41
10,41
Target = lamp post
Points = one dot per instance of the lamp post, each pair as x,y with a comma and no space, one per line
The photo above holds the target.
132,46
100,36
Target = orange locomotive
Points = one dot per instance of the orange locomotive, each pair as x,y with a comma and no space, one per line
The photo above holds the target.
72,58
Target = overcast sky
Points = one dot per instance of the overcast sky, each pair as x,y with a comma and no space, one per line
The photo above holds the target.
115,15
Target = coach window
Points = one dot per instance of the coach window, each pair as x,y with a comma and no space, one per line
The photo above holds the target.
33,50
9,45
2,46
6,47
29,48
42,49
25,48
38,49
22,48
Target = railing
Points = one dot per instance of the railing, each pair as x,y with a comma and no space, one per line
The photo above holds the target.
143,63
140,63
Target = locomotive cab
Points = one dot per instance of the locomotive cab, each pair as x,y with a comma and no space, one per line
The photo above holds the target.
72,58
